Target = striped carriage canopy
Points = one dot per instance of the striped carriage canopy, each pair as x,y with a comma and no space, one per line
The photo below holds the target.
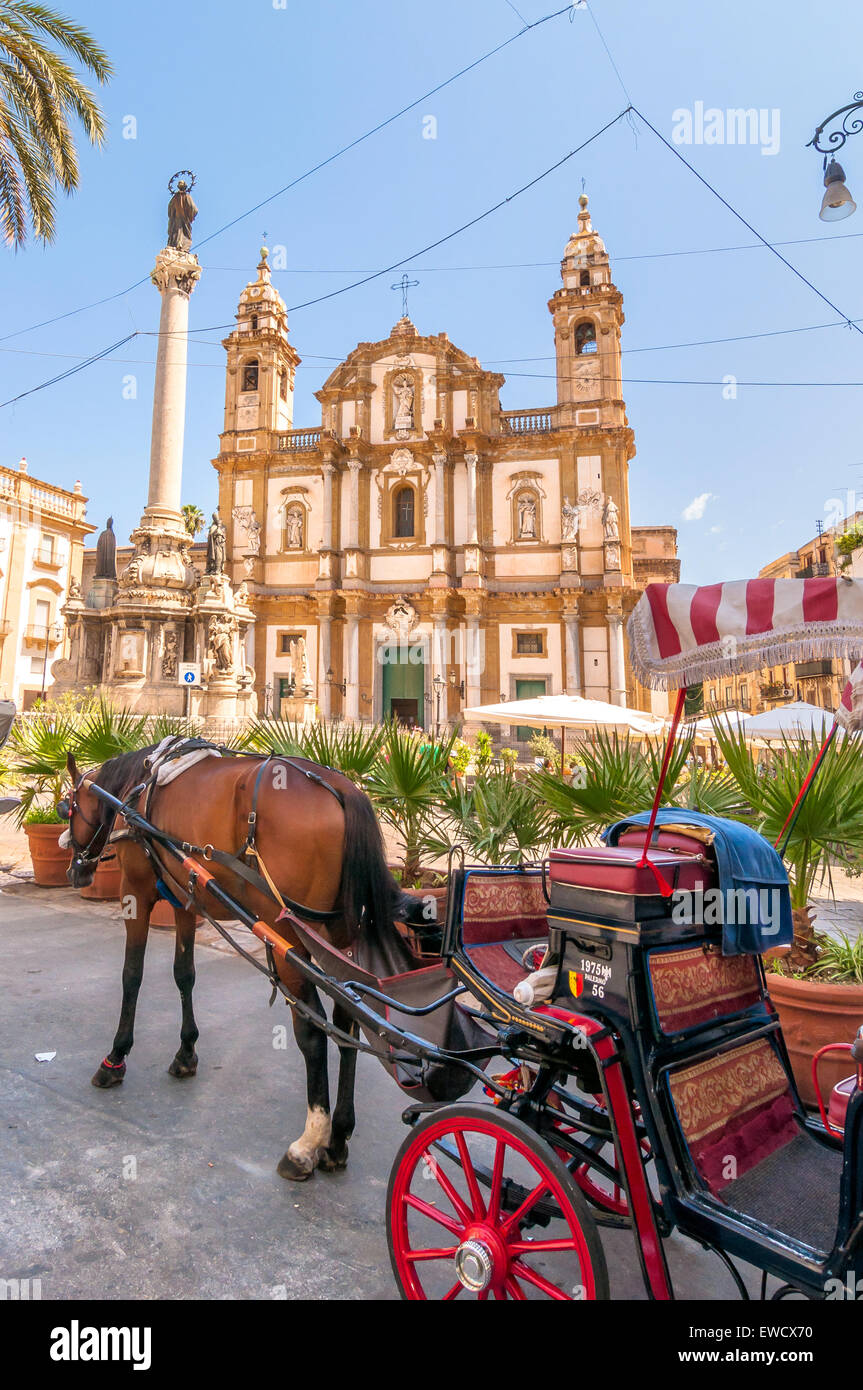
682,634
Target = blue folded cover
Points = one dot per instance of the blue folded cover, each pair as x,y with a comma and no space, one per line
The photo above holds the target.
752,921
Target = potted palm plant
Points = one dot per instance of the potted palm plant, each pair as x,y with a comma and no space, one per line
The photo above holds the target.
407,782
819,999
104,733
499,820
37,750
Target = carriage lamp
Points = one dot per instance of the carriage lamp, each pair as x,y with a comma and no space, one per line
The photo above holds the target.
837,201
459,686
334,684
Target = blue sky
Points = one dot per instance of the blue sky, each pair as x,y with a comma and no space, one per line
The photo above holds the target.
249,95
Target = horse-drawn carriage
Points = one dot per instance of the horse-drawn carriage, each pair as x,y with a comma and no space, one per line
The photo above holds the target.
631,1064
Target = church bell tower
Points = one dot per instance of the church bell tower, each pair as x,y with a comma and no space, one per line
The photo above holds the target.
259,392
588,316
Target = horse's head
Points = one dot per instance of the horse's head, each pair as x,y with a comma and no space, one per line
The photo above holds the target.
88,829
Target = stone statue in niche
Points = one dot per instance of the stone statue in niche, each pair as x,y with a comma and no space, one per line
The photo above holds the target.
169,655
403,403
569,521
217,546
612,555
527,517
300,673
221,633
294,527
247,518
610,520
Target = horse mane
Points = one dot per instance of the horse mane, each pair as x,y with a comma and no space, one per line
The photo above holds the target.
118,776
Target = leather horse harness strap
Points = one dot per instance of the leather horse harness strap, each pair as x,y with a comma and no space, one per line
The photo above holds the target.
259,877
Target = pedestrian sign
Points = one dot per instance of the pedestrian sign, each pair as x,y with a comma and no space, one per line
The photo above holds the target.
190,673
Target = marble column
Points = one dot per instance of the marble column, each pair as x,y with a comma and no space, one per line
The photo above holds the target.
616,659
471,463
440,499
174,275
353,539
473,664
328,470
352,666
573,675
325,694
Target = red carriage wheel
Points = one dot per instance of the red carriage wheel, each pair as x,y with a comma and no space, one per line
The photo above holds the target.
479,1204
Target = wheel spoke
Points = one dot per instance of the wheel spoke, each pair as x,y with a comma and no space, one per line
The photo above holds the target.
468,1169
432,1212
544,1285
529,1247
414,1255
513,1222
452,1293
515,1290
443,1181
496,1181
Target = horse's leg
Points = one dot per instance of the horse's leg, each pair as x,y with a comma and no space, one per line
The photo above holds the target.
186,1061
302,1156
344,1117
138,897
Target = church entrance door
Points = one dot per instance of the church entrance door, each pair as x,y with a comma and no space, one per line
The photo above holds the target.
404,685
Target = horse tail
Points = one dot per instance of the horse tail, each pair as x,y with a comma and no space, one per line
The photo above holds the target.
369,893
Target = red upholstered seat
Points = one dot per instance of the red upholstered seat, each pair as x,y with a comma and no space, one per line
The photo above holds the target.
696,985
499,909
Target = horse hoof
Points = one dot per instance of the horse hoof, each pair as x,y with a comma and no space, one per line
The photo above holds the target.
106,1077
330,1162
180,1070
291,1170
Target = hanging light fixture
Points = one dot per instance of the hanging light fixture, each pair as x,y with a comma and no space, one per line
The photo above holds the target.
837,201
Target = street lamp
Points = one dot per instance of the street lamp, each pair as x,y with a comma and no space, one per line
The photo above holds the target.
439,687
460,685
837,201
334,684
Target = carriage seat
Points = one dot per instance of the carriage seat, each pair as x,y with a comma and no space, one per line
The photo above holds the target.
503,913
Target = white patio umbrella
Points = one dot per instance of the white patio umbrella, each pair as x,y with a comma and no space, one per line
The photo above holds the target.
567,712
733,719
788,721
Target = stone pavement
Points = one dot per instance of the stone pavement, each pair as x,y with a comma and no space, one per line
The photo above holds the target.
166,1189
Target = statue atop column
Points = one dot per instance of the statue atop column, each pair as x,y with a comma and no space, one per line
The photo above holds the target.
106,553
217,546
181,211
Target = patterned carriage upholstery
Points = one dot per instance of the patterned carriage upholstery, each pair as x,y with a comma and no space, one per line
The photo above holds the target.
498,910
697,985
734,1110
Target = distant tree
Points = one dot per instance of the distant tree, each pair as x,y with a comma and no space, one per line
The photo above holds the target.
40,94
194,518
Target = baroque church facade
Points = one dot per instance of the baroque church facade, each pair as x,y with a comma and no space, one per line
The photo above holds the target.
422,550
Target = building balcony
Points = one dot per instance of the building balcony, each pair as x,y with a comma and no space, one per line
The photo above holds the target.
299,441
805,670
775,690
523,422
38,635
819,570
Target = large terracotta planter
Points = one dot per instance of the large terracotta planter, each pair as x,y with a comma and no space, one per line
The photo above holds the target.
50,862
106,881
814,1013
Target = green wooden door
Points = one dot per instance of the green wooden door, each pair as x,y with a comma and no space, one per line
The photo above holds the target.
527,690
404,685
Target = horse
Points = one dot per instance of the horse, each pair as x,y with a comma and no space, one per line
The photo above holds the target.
320,842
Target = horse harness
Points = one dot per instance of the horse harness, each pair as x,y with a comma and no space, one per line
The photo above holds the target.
238,864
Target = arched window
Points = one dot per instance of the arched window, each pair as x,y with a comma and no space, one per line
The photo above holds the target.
254,323
250,375
584,278
403,512
585,338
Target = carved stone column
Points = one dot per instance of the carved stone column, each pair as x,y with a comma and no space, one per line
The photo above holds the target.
328,470
471,460
473,662
440,499
573,678
351,666
617,665
353,538
325,628
174,275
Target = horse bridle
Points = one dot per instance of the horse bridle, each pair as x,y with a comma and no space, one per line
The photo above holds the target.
68,808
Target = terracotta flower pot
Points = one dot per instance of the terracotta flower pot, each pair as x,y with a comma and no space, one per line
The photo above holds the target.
814,1013
50,862
106,881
